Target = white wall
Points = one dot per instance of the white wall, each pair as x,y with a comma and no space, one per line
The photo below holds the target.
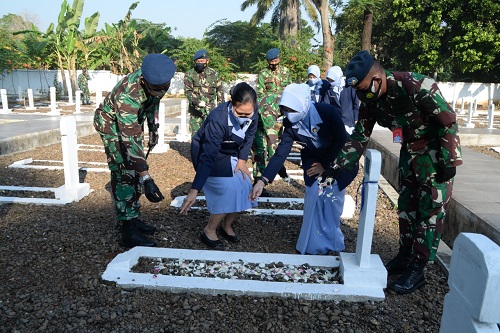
40,81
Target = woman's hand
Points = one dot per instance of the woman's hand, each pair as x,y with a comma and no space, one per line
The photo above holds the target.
242,166
189,200
315,170
256,191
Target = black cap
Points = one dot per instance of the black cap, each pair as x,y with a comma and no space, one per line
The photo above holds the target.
273,54
200,54
158,69
358,68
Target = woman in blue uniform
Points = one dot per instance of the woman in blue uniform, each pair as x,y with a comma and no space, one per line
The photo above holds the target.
319,129
219,151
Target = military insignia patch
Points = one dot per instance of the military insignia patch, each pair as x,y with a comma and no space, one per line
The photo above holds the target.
352,81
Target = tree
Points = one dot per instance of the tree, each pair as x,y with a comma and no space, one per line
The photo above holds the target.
285,15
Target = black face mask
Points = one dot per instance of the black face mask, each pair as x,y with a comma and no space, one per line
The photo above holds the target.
369,96
273,67
199,67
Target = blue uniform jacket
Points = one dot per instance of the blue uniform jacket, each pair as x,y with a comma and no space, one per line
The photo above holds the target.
349,105
323,92
214,143
331,136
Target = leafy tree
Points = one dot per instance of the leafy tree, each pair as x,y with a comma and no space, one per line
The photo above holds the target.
155,37
285,15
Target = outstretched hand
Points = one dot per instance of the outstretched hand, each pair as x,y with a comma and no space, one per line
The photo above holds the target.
256,191
188,201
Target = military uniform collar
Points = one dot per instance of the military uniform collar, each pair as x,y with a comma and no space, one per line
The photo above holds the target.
392,86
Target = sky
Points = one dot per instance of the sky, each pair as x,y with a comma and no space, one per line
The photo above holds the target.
187,18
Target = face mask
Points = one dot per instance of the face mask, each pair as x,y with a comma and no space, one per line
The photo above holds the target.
199,67
295,117
242,121
273,67
313,82
369,95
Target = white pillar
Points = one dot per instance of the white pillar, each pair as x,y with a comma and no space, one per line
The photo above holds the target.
469,123
183,134
5,102
78,97
473,303
491,114
362,268
474,110
70,95
98,97
53,105
161,147
72,190
462,107
19,94
30,100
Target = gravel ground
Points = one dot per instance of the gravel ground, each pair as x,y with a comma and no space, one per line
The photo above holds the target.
52,258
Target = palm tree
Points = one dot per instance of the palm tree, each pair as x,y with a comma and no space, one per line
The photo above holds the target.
286,15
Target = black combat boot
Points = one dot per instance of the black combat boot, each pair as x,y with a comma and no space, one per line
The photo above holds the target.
131,236
398,264
411,279
147,229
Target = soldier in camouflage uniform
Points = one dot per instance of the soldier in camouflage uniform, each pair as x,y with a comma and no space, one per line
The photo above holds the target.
119,120
411,105
83,83
270,84
203,89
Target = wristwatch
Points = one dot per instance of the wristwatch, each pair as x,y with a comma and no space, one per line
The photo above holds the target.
143,179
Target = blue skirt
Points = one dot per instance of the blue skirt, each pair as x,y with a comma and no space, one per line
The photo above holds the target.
226,195
320,230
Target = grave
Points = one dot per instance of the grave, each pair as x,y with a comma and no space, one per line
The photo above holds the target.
72,190
364,275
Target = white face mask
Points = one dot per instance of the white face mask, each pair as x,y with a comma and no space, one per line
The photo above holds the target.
295,117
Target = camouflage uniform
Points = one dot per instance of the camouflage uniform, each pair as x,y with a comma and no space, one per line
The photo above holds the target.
270,85
119,120
430,141
83,83
205,86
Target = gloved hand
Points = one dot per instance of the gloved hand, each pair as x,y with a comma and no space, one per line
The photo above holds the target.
153,139
152,191
202,104
329,175
444,174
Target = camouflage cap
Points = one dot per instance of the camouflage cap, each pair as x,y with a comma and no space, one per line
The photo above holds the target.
273,54
158,69
358,68
200,54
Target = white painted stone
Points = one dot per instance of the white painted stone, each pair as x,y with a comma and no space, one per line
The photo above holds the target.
118,271
347,212
5,102
161,147
78,101
31,104
473,303
183,135
363,268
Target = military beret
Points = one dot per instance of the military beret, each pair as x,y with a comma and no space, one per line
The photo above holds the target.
358,68
273,54
158,69
200,54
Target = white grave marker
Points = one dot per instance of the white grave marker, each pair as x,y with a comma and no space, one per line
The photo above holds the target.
53,106
5,103
183,135
78,97
30,100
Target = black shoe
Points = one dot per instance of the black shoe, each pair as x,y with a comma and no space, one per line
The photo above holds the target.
411,279
398,264
207,241
147,229
131,236
232,239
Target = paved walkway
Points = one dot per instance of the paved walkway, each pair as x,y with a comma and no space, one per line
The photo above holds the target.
475,205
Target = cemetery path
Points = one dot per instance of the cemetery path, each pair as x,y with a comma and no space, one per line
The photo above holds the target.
52,257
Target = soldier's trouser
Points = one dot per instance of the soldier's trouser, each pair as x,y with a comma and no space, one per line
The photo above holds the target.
264,146
422,204
86,95
195,123
124,182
